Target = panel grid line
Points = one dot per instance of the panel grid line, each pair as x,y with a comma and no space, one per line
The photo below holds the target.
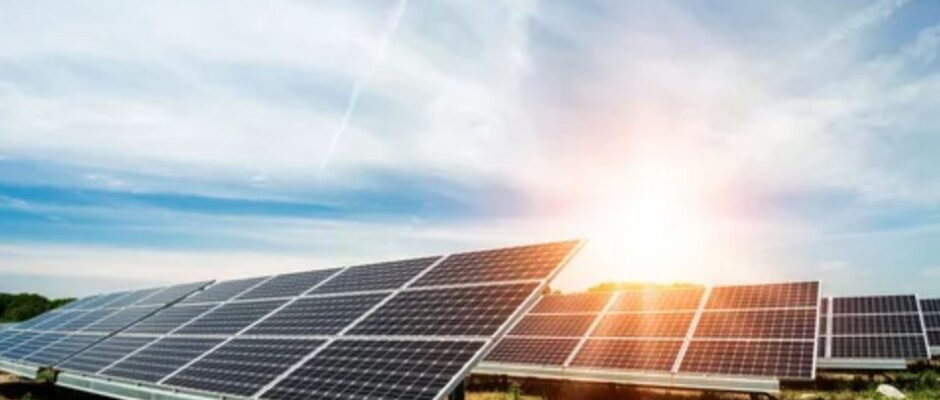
508,324
597,321
181,326
253,324
264,389
687,341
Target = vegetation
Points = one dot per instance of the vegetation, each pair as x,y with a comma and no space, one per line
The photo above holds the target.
23,306
615,286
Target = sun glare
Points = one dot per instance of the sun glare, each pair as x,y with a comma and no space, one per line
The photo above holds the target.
654,227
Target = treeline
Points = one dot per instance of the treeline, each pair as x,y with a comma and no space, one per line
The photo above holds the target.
618,286
23,306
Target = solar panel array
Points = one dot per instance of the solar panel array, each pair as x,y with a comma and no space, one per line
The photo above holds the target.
872,327
61,333
399,330
931,312
750,331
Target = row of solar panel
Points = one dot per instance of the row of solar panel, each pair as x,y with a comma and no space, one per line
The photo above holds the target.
753,330
339,333
931,311
873,327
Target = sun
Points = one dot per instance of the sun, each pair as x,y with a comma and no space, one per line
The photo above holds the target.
651,224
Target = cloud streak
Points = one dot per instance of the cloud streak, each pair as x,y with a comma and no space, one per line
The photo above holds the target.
382,47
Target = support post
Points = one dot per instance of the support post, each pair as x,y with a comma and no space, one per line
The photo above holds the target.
459,392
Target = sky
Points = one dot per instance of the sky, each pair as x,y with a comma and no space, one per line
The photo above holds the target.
145,143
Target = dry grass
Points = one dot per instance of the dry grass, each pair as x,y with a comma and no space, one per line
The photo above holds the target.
497,396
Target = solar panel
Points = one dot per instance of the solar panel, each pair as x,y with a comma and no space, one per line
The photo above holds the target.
628,354
60,334
58,351
120,319
243,366
731,337
785,359
222,291
159,359
931,312
378,369
169,319
407,329
880,332
645,325
172,294
289,285
532,262
572,303
537,351
671,299
317,315
230,318
553,325
37,342
133,297
467,311
104,354
797,294
381,276
778,323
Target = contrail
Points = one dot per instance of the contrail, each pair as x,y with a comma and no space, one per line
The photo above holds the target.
871,15
357,87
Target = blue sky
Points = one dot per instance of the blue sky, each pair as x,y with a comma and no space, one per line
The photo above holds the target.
145,143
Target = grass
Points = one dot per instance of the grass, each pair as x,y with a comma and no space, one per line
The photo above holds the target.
499,396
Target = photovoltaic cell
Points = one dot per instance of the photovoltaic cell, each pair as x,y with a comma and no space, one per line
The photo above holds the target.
467,311
792,360
161,358
120,319
83,321
32,345
289,285
876,324
890,347
222,291
103,354
62,349
537,351
230,318
930,305
628,354
779,324
645,325
572,303
874,305
317,315
661,299
509,264
377,369
553,325
57,320
168,319
77,304
381,276
799,294
133,297
241,367
104,300
931,312
172,294
877,327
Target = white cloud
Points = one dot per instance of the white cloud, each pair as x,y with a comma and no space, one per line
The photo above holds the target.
834,266
932,272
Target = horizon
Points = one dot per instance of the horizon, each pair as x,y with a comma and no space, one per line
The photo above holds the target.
156,143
